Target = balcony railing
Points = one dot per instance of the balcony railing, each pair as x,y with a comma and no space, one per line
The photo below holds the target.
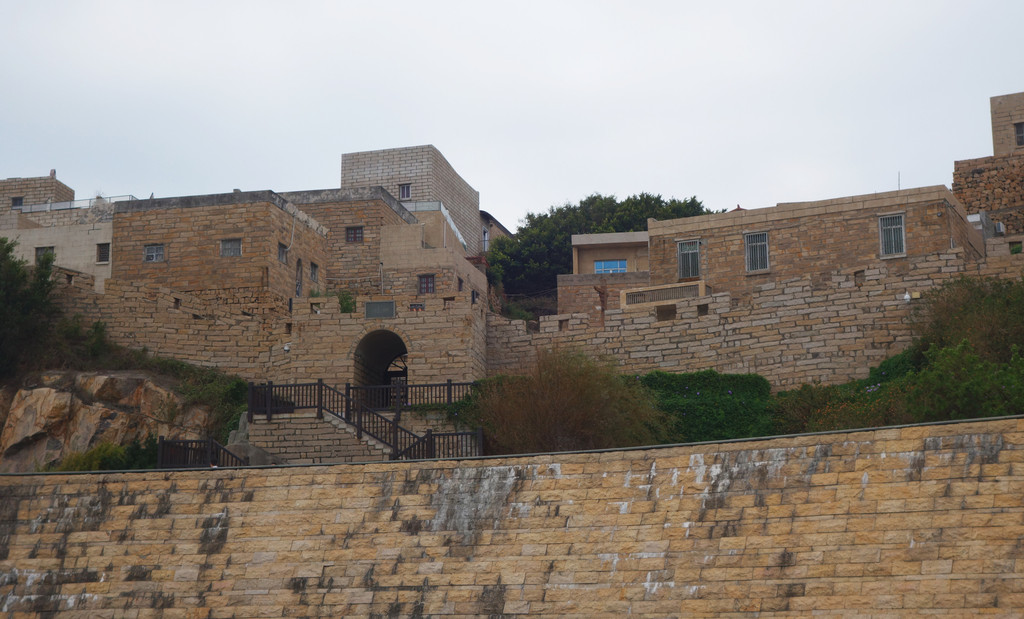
660,294
61,206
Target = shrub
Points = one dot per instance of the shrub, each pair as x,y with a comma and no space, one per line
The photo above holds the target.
709,406
988,313
111,457
27,310
346,302
568,401
793,411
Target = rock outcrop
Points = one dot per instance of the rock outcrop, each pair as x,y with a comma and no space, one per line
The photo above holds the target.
72,412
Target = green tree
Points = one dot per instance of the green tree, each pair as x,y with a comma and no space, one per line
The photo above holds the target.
530,262
27,310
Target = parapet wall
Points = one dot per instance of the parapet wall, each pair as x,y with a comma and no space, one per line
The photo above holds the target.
901,521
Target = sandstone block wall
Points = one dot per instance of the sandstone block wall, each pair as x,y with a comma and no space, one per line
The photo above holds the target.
994,185
829,327
355,265
1007,111
909,521
813,238
34,190
191,234
430,176
584,293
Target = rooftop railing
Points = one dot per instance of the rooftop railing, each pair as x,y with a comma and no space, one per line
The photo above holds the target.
60,206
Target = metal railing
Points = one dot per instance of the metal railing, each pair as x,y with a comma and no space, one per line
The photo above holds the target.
282,399
670,292
388,397
60,206
187,454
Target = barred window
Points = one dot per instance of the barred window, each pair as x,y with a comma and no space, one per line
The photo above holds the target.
153,253
354,234
891,235
1018,130
426,284
102,252
756,251
689,259
230,248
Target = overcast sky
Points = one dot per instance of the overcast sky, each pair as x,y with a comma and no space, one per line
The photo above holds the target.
534,103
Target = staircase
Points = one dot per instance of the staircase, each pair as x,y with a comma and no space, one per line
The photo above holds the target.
310,420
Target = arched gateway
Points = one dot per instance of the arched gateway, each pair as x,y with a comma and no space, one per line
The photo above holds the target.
380,359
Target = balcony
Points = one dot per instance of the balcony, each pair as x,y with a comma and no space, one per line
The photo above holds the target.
660,294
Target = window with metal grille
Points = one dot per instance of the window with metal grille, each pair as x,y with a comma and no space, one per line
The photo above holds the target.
756,251
42,252
230,248
354,234
609,266
153,253
1018,130
19,201
427,284
689,259
102,252
891,235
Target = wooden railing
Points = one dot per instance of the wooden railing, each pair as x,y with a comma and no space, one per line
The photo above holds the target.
281,399
187,454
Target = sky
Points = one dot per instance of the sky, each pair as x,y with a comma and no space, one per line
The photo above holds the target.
534,103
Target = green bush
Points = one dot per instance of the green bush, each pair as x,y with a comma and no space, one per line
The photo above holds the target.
346,302
568,401
709,406
27,311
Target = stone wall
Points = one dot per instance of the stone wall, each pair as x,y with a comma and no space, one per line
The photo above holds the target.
906,521
585,293
994,185
34,190
191,231
1007,111
812,238
352,265
430,177
829,327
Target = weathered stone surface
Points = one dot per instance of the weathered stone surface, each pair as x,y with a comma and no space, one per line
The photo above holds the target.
915,521
72,412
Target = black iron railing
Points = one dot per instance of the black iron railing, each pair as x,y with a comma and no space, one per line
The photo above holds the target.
187,454
350,407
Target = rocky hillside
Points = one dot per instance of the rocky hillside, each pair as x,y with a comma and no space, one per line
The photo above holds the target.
65,412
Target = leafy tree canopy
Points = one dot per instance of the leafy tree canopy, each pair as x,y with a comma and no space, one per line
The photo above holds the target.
26,308
542,248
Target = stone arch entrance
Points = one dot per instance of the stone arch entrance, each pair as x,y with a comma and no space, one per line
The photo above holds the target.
380,359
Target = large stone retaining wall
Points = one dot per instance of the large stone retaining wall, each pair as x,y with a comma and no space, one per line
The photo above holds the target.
888,522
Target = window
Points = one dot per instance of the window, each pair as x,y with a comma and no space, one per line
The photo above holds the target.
230,248
102,252
354,234
756,251
427,284
43,251
609,266
19,201
282,253
1018,130
460,284
153,253
689,259
314,272
890,233
405,191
